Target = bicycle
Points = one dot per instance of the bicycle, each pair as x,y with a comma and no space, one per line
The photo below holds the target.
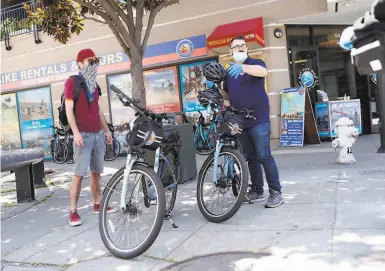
113,148
146,134
234,169
204,138
59,149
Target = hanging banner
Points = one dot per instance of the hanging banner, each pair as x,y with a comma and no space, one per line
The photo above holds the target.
347,108
322,119
162,90
36,119
292,116
10,133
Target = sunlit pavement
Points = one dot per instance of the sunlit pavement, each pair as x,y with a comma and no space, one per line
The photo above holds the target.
323,225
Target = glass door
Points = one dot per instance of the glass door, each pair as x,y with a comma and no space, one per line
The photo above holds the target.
305,69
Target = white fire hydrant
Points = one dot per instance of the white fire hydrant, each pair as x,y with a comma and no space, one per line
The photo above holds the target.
346,136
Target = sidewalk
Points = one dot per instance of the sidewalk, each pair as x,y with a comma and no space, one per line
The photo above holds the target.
323,225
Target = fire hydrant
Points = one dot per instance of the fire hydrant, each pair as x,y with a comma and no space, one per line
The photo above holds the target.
346,136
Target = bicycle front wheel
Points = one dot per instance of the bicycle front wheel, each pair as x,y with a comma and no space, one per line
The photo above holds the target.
219,199
130,232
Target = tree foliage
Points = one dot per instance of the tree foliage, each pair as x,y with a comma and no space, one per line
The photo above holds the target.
66,17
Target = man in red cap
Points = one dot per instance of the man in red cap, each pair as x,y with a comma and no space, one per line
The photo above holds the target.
87,123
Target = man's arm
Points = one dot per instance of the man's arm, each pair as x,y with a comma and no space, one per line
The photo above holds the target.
255,70
70,116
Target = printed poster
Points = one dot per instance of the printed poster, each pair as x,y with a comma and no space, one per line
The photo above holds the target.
192,81
322,119
292,116
348,108
36,119
120,114
10,133
162,90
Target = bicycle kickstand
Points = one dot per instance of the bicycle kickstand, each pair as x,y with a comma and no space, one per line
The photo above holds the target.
247,197
168,217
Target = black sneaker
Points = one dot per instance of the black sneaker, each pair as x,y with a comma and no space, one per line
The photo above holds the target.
252,196
275,199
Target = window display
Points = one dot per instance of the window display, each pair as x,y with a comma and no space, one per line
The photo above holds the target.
10,133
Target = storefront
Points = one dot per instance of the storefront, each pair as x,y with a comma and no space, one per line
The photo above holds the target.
172,78
317,62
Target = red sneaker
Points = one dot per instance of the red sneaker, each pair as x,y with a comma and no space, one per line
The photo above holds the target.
108,208
74,219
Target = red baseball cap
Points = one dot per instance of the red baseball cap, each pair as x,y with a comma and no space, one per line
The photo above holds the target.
84,54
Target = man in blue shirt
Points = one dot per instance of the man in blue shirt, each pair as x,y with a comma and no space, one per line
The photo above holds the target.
244,87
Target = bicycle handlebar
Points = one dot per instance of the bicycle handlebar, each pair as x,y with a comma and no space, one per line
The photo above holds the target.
127,101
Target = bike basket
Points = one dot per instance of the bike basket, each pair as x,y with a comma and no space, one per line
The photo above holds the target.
142,128
232,125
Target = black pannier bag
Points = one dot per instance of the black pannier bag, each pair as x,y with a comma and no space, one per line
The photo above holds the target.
232,125
369,45
142,127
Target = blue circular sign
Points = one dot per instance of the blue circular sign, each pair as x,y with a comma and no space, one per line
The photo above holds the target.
185,48
308,78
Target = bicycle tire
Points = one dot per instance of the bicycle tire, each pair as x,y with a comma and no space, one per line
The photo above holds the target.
65,150
242,192
115,144
70,157
209,135
174,166
153,234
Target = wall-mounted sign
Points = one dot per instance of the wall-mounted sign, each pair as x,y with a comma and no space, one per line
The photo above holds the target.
308,78
278,33
112,62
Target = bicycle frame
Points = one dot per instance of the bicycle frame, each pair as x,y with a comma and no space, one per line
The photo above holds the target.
131,160
229,166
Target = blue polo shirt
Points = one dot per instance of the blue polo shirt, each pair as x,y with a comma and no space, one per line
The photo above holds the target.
249,92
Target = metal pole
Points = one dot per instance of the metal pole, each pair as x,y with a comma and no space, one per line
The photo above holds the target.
381,103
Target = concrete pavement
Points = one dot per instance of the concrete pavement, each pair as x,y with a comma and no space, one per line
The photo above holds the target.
323,225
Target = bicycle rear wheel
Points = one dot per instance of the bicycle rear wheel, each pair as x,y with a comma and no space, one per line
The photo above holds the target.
169,174
145,196
206,145
112,150
229,187
60,153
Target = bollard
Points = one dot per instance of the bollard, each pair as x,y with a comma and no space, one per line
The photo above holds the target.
346,137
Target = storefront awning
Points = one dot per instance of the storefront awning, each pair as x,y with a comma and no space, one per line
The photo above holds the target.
251,29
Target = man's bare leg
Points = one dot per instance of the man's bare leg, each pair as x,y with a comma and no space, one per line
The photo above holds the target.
75,188
95,187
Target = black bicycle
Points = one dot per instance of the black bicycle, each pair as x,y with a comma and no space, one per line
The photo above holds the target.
138,189
112,150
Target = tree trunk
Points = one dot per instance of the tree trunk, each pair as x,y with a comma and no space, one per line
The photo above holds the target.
138,89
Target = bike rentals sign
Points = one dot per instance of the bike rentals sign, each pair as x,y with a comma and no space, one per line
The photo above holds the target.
292,116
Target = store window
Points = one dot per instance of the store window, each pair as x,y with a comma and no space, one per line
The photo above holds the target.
327,36
298,36
10,133
36,119
162,90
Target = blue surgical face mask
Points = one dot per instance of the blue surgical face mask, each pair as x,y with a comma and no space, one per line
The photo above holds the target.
240,56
